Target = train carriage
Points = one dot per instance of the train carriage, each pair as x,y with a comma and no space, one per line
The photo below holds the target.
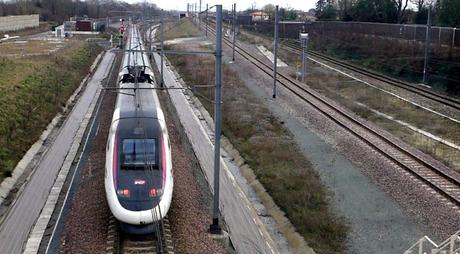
138,177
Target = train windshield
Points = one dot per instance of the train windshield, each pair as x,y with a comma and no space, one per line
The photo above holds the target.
138,153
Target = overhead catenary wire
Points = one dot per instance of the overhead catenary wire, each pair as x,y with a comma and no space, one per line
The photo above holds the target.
148,165
394,66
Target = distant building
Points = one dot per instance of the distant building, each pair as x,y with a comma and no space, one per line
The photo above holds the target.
244,20
59,31
83,25
259,15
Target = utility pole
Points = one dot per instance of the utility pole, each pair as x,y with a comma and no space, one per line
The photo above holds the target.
215,227
199,17
206,21
453,36
162,47
304,40
427,47
234,31
275,51
76,9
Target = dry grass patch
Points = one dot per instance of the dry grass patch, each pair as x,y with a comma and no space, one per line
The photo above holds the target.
269,149
179,29
31,47
347,92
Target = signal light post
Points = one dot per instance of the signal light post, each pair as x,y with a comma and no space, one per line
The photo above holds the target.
162,48
234,31
199,17
427,47
304,41
275,51
206,20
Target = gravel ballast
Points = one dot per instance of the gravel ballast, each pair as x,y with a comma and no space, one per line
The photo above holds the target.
418,207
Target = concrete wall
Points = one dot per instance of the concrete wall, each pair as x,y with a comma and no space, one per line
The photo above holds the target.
13,23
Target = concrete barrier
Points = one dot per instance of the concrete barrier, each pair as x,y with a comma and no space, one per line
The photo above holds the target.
14,23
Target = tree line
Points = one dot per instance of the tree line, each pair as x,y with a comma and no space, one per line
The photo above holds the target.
444,12
61,10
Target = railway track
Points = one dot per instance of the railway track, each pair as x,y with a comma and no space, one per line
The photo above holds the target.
121,243
443,99
437,177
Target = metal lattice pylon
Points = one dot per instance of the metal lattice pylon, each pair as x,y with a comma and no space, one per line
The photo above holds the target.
427,246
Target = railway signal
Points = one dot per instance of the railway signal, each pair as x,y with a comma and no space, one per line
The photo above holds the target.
304,40
122,26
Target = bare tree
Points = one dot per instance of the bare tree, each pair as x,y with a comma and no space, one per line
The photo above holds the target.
419,4
344,7
422,3
401,6
269,9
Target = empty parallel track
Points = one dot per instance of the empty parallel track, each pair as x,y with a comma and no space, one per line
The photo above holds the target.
437,177
424,92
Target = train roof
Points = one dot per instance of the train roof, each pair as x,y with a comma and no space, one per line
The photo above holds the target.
141,103
133,59
139,128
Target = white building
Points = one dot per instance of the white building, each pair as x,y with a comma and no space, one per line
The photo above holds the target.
259,16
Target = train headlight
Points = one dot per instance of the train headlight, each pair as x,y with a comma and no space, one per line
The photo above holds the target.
155,192
123,192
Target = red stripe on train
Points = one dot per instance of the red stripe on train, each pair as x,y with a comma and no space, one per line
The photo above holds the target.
163,160
115,160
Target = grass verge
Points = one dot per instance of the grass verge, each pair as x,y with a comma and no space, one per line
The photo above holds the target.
180,29
32,93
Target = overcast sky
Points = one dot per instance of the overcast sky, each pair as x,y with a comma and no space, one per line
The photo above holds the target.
240,4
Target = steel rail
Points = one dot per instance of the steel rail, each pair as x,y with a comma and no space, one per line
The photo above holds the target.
443,99
121,243
453,196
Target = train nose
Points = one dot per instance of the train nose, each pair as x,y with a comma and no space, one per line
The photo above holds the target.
139,193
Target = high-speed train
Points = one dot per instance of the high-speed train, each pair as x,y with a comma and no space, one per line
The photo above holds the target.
138,173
